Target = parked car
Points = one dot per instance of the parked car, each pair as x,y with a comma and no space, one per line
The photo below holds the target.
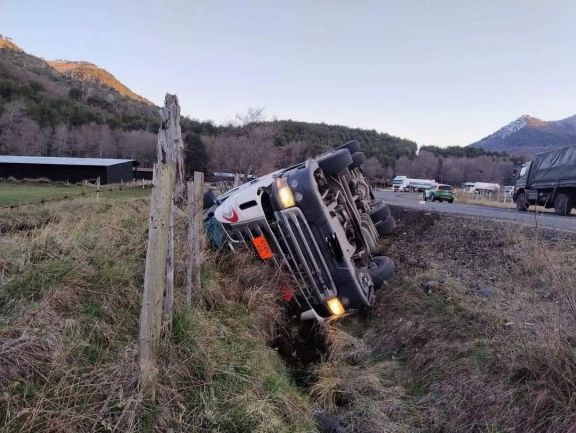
318,220
549,181
440,193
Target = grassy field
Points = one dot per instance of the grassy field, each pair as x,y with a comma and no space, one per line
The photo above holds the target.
71,276
12,193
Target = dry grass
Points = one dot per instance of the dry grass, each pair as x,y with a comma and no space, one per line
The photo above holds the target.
488,347
70,290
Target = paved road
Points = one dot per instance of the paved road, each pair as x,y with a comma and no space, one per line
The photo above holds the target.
549,221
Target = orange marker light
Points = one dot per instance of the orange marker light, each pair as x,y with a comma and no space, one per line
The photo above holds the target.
262,247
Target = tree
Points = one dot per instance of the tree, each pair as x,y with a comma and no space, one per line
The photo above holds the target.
244,153
75,94
195,154
373,169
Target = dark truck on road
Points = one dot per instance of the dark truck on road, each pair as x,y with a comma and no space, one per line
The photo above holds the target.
549,180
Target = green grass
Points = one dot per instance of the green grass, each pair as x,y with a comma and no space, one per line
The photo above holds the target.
16,193
70,294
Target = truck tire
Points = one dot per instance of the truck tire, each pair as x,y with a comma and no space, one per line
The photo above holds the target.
379,212
353,146
358,159
386,226
335,162
521,204
381,269
563,204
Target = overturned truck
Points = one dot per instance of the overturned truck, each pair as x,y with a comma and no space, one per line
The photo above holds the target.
319,220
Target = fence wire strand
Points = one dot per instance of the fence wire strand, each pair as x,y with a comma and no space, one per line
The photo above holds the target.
84,193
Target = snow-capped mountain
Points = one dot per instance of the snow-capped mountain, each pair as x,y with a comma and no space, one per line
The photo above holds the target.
530,135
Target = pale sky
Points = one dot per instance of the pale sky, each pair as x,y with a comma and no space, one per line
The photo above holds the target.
438,72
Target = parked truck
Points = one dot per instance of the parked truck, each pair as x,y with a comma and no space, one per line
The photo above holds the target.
549,180
400,183
404,183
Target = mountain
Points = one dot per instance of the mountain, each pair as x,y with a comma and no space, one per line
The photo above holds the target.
66,108
73,108
8,44
88,72
530,135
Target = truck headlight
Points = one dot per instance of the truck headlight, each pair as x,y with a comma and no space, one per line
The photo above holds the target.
335,307
285,194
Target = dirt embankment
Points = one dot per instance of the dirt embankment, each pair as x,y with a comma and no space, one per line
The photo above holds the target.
475,333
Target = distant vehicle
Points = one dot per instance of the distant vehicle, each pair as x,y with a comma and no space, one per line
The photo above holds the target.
419,185
509,190
400,183
440,193
404,183
549,181
480,187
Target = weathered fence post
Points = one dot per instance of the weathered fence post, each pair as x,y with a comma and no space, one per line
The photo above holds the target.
195,201
169,292
166,172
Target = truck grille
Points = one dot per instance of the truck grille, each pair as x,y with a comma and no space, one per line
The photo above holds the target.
295,248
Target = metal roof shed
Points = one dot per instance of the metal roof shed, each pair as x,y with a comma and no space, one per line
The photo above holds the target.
66,169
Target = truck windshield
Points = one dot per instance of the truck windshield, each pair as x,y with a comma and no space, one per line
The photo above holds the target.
524,169
444,188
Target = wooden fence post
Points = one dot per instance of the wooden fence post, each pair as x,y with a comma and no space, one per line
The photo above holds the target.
166,173
195,201
169,292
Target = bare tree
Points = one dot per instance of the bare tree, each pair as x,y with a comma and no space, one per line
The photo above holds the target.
373,168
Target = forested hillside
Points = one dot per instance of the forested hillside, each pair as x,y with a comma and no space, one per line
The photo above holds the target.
66,108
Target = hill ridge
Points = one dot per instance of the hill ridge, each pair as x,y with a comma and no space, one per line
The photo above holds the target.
530,135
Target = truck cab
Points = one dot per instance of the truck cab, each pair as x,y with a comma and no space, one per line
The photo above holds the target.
549,181
400,183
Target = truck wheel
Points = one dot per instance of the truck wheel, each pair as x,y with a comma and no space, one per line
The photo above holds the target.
433,198
358,159
353,146
379,212
386,226
335,162
563,204
451,201
381,269
521,204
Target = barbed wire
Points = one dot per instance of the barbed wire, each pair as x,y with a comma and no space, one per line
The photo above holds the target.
83,193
